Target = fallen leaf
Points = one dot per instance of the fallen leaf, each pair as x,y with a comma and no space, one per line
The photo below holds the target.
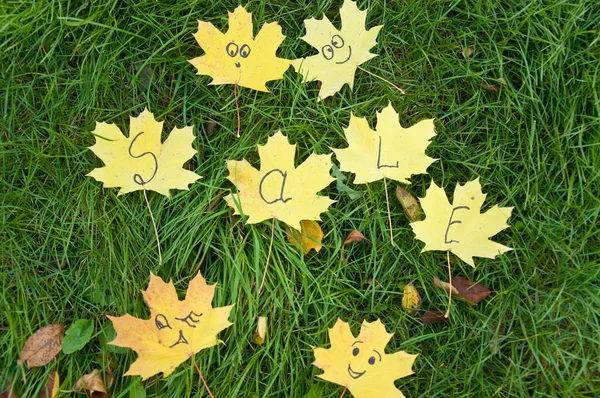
309,237
354,236
77,336
360,363
409,203
176,329
140,161
50,390
210,126
468,51
433,317
93,384
8,391
390,151
340,51
411,299
464,288
261,331
460,227
237,57
42,346
494,88
280,190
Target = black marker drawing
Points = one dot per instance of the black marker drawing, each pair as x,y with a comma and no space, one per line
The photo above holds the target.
245,51
337,42
136,177
280,198
190,318
354,374
450,222
181,340
379,165
232,49
161,322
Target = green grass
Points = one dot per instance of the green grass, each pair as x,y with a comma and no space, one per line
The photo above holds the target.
70,249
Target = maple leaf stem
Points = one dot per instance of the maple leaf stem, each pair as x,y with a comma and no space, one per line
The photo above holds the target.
387,202
379,77
237,108
202,377
447,314
344,392
154,225
262,283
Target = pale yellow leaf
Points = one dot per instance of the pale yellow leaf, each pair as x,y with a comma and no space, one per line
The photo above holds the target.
261,330
460,227
308,238
176,330
237,57
279,189
360,363
390,151
340,51
140,161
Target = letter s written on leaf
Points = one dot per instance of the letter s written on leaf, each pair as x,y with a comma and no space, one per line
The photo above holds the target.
460,227
140,161
360,363
279,189
390,151
176,329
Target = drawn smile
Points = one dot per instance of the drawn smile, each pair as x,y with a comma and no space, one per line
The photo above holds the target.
181,340
237,64
346,60
353,374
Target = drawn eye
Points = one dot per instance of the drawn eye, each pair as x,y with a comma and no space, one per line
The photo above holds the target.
245,51
372,361
327,52
232,49
190,320
337,41
355,351
161,322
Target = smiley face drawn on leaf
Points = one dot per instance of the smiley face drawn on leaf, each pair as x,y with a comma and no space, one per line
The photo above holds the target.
360,363
176,329
340,51
237,57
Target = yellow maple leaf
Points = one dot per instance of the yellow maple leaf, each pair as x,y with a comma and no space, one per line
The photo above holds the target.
460,227
340,51
176,330
140,161
279,189
360,363
390,151
239,57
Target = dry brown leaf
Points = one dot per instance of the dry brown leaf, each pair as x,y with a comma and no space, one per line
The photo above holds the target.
354,236
464,288
261,331
411,299
308,238
468,51
433,317
494,88
50,390
93,384
42,346
8,391
410,204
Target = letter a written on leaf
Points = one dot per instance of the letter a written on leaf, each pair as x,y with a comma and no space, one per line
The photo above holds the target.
460,227
390,151
360,363
280,190
176,329
340,51
140,161
239,57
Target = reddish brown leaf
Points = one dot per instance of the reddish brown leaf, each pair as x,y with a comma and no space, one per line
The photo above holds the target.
354,236
42,346
494,88
433,317
8,392
464,289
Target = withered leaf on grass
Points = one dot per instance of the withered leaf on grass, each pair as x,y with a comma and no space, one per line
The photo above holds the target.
410,204
354,236
308,238
93,384
42,346
50,390
411,299
8,391
464,288
433,317
261,331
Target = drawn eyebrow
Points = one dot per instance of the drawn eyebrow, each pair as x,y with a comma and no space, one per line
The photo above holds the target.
356,342
377,352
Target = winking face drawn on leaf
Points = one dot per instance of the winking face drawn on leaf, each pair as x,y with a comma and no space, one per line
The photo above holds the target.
360,363
176,329
237,57
340,51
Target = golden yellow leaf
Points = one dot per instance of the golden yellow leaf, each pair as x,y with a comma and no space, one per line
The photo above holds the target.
411,299
390,151
460,227
140,161
176,330
360,363
308,238
239,57
340,51
279,189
